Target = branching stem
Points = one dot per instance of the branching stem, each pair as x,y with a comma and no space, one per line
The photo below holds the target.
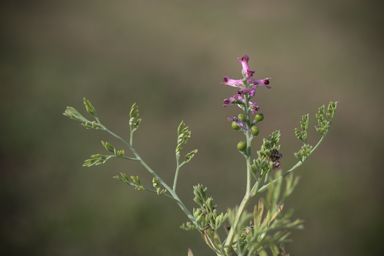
173,193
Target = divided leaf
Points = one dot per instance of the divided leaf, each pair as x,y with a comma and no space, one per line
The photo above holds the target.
302,135
108,146
207,213
96,160
133,114
262,165
183,134
189,156
90,109
72,113
134,182
267,217
323,123
156,184
188,226
303,153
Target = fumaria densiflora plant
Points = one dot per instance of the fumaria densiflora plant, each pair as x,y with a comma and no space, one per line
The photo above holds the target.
261,232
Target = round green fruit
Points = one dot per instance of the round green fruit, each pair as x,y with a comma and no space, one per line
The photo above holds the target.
241,116
255,131
235,126
259,117
242,146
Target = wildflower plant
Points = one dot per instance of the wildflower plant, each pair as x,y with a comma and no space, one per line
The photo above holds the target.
260,232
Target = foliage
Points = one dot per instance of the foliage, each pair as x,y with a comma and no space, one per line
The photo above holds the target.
262,232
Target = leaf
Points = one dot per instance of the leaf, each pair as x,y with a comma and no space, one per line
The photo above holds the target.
304,152
257,214
183,134
96,160
133,114
304,126
189,156
108,146
134,111
90,109
72,113
188,226
119,153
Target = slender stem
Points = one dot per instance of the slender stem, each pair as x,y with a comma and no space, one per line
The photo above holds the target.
249,144
173,193
130,158
177,172
177,169
154,191
318,143
244,203
247,197
290,170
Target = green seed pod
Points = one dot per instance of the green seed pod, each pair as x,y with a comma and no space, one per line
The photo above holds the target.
235,126
255,131
241,116
242,146
259,117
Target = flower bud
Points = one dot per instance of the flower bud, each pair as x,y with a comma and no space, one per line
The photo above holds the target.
242,146
241,116
235,126
255,131
259,117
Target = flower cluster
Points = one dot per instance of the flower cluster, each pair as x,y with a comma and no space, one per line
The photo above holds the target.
246,90
247,87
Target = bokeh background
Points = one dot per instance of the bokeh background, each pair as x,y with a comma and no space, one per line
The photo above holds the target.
169,57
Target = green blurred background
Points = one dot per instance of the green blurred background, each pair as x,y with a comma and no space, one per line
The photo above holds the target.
169,57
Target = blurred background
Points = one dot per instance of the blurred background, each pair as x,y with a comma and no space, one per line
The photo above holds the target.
169,57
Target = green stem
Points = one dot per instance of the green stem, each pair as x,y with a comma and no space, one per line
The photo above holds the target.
249,144
290,170
154,191
243,205
173,193
247,197
176,173
129,158
131,136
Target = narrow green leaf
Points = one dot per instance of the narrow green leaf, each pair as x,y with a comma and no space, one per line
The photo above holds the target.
257,214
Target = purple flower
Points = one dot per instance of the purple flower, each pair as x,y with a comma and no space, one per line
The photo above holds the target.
254,107
246,71
235,100
275,157
232,82
250,91
260,82
238,121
